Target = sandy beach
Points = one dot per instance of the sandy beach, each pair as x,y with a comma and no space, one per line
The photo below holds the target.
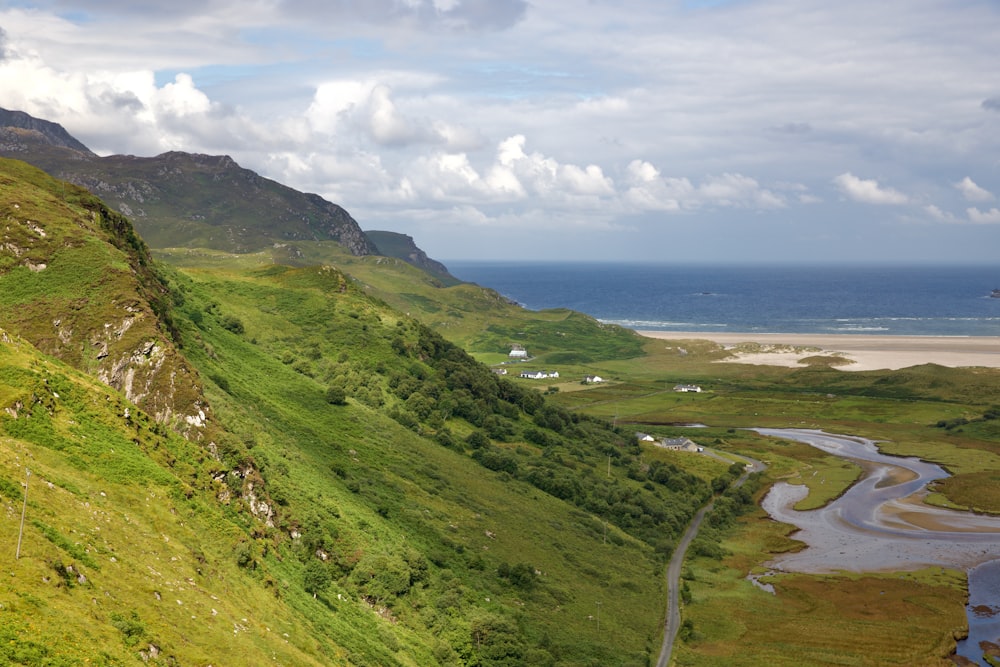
865,352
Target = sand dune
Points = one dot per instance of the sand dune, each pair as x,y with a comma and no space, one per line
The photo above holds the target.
865,351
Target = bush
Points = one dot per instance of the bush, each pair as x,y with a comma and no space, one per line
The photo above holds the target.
315,577
231,323
130,626
336,396
521,575
477,440
220,382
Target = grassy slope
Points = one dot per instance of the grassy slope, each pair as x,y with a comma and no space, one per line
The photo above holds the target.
377,489
474,317
79,284
385,547
124,503
900,408
389,491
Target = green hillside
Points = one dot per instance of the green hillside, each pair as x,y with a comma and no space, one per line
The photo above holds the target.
357,491
401,246
476,318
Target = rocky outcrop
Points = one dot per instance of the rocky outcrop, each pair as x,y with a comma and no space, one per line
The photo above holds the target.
102,307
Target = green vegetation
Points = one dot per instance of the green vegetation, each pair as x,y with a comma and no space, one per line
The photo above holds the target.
358,490
294,455
939,414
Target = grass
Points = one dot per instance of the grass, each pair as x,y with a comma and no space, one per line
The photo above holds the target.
838,619
379,531
391,488
874,619
102,535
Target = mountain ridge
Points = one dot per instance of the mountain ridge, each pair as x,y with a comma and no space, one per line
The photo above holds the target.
402,246
53,133
179,199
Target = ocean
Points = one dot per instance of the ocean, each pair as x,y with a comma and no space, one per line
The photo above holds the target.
897,300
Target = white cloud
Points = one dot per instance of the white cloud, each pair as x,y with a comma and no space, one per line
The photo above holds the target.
868,191
973,192
939,215
368,108
604,105
546,177
514,175
990,217
407,105
739,191
650,191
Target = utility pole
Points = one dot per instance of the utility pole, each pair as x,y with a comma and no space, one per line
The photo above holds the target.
24,509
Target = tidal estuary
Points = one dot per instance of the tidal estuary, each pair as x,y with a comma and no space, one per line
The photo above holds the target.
881,524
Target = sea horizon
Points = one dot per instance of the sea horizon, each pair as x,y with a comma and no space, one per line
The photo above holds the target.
846,298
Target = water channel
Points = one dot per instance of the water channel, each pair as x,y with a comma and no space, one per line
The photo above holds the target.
881,524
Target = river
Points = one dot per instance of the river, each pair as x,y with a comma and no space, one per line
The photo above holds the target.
881,524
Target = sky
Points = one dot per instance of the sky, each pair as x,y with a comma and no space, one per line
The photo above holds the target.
731,131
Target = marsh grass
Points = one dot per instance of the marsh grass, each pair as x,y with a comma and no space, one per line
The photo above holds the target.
907,618
876,619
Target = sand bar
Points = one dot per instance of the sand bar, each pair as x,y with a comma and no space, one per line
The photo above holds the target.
867,352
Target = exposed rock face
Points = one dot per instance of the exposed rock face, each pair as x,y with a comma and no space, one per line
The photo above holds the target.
99,307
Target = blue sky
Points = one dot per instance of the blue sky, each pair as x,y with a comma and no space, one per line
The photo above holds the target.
654,130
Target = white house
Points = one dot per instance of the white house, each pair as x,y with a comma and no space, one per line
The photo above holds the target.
644,437
517,352
592,379
687,388
539,375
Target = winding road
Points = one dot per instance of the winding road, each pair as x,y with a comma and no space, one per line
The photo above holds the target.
673,622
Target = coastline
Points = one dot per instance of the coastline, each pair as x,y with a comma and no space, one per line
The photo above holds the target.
866,352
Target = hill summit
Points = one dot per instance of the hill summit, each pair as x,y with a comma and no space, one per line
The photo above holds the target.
19,130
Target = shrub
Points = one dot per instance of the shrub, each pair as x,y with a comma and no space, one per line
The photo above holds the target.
231,323
220,382
130,626
315,577
336,396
